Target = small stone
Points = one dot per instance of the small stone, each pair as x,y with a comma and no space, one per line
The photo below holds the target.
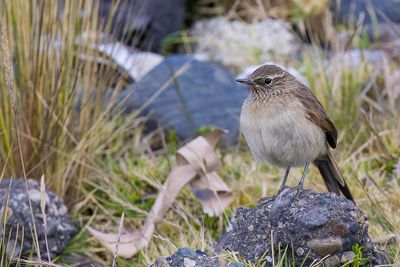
340,229
353,214
313,219
354,228
325,246
332,261
175,260
161,262
200,253
187,252
250,228
236,264
347,256
188,262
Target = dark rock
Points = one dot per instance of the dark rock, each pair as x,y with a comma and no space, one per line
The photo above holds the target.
187,252
185,257
380,25
346,10
205,95
312,224
313,219
60,229
155,18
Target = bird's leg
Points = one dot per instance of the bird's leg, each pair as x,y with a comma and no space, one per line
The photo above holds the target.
301,184
284,178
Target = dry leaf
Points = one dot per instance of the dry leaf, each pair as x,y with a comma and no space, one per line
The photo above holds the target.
197,164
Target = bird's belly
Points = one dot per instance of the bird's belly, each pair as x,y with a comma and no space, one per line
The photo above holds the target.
289,139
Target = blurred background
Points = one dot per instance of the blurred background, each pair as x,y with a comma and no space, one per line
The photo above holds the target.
98,95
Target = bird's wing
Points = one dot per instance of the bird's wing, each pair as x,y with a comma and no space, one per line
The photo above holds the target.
316,113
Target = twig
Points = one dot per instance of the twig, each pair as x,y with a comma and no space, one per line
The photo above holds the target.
121,223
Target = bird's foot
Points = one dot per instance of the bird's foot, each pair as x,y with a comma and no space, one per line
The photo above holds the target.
281,188
299,188
283,200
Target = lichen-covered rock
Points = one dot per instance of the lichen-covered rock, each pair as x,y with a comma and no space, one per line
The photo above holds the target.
19,224
314,225
185,257
218,39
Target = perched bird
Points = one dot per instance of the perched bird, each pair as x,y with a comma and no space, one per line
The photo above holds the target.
285,125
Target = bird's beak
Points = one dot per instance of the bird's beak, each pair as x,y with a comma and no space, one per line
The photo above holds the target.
245,81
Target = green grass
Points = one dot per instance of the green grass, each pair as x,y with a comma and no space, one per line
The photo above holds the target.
102,167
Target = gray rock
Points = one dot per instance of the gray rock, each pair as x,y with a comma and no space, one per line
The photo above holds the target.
205,95
185,257
347,256
332,261
59,231
315,224
346,10
313,219
236,264
154,18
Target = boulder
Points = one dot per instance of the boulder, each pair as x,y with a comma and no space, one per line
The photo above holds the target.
19,223
308,224
206,94
155,19
323,228
239,45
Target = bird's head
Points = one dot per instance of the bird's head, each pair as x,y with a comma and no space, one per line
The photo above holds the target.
269,79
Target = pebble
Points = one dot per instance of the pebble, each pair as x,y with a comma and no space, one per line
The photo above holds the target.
186,252
347,256
325,246
313,219
332,261
341,229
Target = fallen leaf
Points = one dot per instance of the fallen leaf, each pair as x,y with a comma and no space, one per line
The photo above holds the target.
197,165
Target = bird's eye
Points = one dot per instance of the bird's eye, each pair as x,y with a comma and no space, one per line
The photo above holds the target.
267,80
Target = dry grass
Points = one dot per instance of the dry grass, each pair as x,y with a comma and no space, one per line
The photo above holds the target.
103,167
64,123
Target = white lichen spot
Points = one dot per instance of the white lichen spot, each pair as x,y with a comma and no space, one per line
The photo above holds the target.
268,258
300,251
189,262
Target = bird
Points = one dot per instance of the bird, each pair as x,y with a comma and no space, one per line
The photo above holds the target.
285,125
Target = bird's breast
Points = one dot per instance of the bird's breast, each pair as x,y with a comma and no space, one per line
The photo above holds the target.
279,132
